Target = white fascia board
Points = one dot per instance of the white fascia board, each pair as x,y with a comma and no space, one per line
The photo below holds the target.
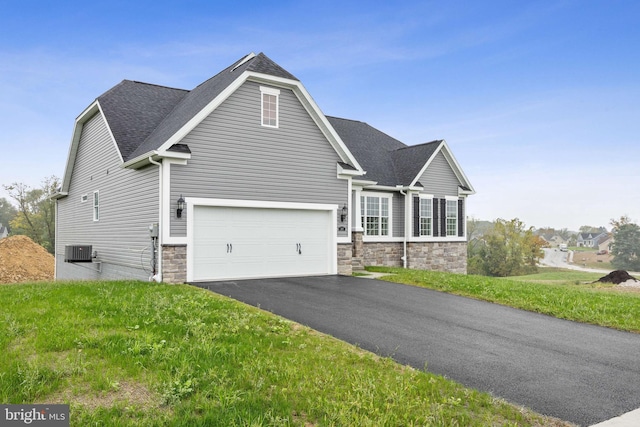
347,173
314,111
390,188
361,183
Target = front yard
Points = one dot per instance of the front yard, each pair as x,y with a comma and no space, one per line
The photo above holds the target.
145,354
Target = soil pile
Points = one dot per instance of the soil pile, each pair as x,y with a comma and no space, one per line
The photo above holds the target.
23,260
616,277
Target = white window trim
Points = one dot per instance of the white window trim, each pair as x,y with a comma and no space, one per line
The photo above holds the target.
84,198
428,197
367,238
433,238
274,92
451,199
96,207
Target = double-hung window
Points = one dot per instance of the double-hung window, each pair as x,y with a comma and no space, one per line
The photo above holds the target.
269,107
426,217
374,212
452,217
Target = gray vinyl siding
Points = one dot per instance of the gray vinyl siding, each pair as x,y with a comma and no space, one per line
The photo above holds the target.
439,179
128,205
398,215
235,157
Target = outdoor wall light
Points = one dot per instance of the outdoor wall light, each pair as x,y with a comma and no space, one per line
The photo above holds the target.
343,215
181,206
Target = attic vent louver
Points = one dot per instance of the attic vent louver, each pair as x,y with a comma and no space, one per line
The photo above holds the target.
77,253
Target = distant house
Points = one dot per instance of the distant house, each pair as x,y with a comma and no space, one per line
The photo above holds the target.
605,244
4,232
554,240
591,240
245,177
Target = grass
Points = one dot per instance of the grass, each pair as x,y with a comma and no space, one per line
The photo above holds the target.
562,298
144,354
560,276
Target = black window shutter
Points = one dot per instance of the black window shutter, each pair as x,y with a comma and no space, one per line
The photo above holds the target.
436,226
443,217
461,218
416,216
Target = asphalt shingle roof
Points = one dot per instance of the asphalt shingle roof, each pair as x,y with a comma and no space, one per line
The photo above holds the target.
386,160
143,116
133,110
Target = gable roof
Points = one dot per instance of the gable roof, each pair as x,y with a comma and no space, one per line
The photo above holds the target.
148,121
389,162
197,99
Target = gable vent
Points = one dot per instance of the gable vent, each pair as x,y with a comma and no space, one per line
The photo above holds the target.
77,253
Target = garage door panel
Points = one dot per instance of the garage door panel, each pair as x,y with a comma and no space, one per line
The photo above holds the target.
235,242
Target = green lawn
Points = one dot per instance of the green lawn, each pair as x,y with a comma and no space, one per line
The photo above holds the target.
144,354
553,292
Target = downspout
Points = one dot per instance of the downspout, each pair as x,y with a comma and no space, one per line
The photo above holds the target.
155,242
404,242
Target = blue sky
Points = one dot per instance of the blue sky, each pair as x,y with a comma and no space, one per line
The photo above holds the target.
539,100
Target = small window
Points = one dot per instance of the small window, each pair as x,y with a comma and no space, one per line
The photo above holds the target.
96,206
270,100
84,198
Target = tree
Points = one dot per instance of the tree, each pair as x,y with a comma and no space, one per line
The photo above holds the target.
626,244
508,250
36,211
7,212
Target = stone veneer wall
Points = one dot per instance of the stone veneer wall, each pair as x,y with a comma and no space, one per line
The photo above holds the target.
345,266
438,256
174,263
382,254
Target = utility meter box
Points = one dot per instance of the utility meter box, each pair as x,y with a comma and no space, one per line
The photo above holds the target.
153,230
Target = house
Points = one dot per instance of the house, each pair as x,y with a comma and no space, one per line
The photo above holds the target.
605,243
245,177
591,240
4,232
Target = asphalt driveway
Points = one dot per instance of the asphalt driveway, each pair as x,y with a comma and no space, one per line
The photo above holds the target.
580,373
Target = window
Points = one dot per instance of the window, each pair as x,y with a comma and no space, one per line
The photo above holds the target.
96,206
374,212
270,99
452,217
84,198
426,217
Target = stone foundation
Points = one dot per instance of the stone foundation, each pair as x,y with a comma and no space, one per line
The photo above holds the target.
344,259
174,263
382,254
438,256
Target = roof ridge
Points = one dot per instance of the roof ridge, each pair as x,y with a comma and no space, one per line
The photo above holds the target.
156,85
421,144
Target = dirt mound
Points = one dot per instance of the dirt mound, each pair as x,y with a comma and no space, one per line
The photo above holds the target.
616,277
23,260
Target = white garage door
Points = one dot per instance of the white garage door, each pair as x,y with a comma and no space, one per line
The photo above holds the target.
240,242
